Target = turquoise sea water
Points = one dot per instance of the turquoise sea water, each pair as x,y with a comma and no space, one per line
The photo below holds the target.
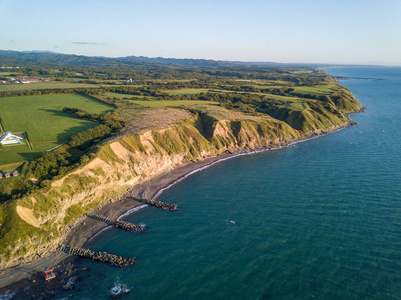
317,220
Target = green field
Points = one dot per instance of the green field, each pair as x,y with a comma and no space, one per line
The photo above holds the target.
8,73
317,90
185,91
263,86
117,84
121,96
170,103
302,71
279,97
11,87
11,167
44,121
16,153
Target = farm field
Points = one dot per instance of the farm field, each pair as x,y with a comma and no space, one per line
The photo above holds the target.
120,85
326,89
296,105
279,97
302,71
264,86
9,73
185,91
16,153
317,90
121,96
43,85
46,127
170,103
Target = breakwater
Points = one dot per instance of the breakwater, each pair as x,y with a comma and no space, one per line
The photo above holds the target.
155,203
119,224
110,258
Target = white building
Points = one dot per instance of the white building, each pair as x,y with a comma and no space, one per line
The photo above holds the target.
10,138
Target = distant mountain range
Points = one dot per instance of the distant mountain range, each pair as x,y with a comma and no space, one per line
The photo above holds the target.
53,58
49,57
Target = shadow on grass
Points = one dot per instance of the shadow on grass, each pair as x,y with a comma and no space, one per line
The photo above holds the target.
29,156
66,133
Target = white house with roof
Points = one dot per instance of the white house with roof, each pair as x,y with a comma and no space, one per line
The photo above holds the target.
10,138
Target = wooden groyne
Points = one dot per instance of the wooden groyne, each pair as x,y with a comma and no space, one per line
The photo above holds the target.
119,224
111,259
156,203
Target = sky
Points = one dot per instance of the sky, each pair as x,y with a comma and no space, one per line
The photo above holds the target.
308,31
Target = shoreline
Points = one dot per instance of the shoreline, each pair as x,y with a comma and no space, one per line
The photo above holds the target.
85,229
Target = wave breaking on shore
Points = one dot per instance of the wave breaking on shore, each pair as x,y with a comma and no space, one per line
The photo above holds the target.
131,211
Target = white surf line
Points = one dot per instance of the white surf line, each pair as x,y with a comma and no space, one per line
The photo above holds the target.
131,211
314,137
104,229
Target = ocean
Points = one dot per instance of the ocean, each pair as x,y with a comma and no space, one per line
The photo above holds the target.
320,219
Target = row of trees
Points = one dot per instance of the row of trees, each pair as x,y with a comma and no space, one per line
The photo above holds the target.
109,119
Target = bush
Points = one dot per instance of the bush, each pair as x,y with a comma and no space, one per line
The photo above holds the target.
88,137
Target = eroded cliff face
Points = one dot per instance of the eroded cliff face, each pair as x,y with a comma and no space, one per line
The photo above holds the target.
39,220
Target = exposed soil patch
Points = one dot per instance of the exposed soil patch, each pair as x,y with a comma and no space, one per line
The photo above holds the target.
27,215
156,118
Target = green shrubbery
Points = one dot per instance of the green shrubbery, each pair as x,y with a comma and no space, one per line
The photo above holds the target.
49,165
88,137
109,119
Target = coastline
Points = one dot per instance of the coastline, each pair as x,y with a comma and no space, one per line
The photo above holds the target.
86,229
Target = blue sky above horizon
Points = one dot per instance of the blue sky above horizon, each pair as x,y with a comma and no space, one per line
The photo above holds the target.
315,31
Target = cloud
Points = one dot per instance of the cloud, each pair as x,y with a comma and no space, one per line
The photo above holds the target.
88,43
